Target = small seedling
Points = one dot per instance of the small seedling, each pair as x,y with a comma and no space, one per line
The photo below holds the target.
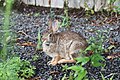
66,18
105,78
36,14
39,40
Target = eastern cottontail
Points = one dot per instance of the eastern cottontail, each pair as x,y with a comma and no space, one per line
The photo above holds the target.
63,47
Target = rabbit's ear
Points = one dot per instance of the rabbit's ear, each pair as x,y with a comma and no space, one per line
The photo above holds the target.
55,25
50,26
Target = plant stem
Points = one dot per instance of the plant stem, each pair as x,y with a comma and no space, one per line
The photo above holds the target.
6,27
66,13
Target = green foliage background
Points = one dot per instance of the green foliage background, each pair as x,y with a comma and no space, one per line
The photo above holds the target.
11,67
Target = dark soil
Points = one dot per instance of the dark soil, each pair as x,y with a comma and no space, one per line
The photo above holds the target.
27,20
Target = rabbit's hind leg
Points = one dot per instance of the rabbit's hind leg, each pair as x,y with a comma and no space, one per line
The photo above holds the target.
66,61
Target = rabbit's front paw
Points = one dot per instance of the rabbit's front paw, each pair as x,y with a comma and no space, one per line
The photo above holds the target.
49,62
55,60
53,63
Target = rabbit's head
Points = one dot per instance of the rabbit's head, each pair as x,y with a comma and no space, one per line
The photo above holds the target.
52,28
49,48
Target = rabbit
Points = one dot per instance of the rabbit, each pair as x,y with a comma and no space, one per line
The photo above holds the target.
63,47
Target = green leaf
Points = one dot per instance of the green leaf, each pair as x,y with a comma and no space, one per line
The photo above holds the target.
64,67
64,77
96,63
50,78
76,74
81,75
75,68
88,48
97,57
95,60
10,69
82,60
112,77
103,78
92,11
37,14
111,46
39,40
71,77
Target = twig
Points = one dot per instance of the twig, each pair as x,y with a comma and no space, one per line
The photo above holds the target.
22,32
115,55
111,74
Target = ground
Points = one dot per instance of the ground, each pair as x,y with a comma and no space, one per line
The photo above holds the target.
25,23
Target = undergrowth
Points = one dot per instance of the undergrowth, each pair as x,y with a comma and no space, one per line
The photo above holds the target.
11,66
15,69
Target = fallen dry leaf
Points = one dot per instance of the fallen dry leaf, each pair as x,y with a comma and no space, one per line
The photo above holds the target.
112,42
27,44
54,72
35,78
115,55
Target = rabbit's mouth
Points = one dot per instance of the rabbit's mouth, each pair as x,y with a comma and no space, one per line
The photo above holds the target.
47,43
43,39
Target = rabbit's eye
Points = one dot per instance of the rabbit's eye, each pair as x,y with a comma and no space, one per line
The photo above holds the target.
50,35
47,44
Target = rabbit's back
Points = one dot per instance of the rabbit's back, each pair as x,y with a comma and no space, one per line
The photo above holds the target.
68,43
66,36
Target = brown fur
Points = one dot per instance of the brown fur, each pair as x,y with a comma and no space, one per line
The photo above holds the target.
66,45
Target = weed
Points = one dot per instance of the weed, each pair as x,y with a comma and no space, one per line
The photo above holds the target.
50,78
39,46
11,68
15,69
65,22
70,77
88,10
66,18
104,78
3,54
64,77
35,57
80,72
96,48
113,8
36,14
111,2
